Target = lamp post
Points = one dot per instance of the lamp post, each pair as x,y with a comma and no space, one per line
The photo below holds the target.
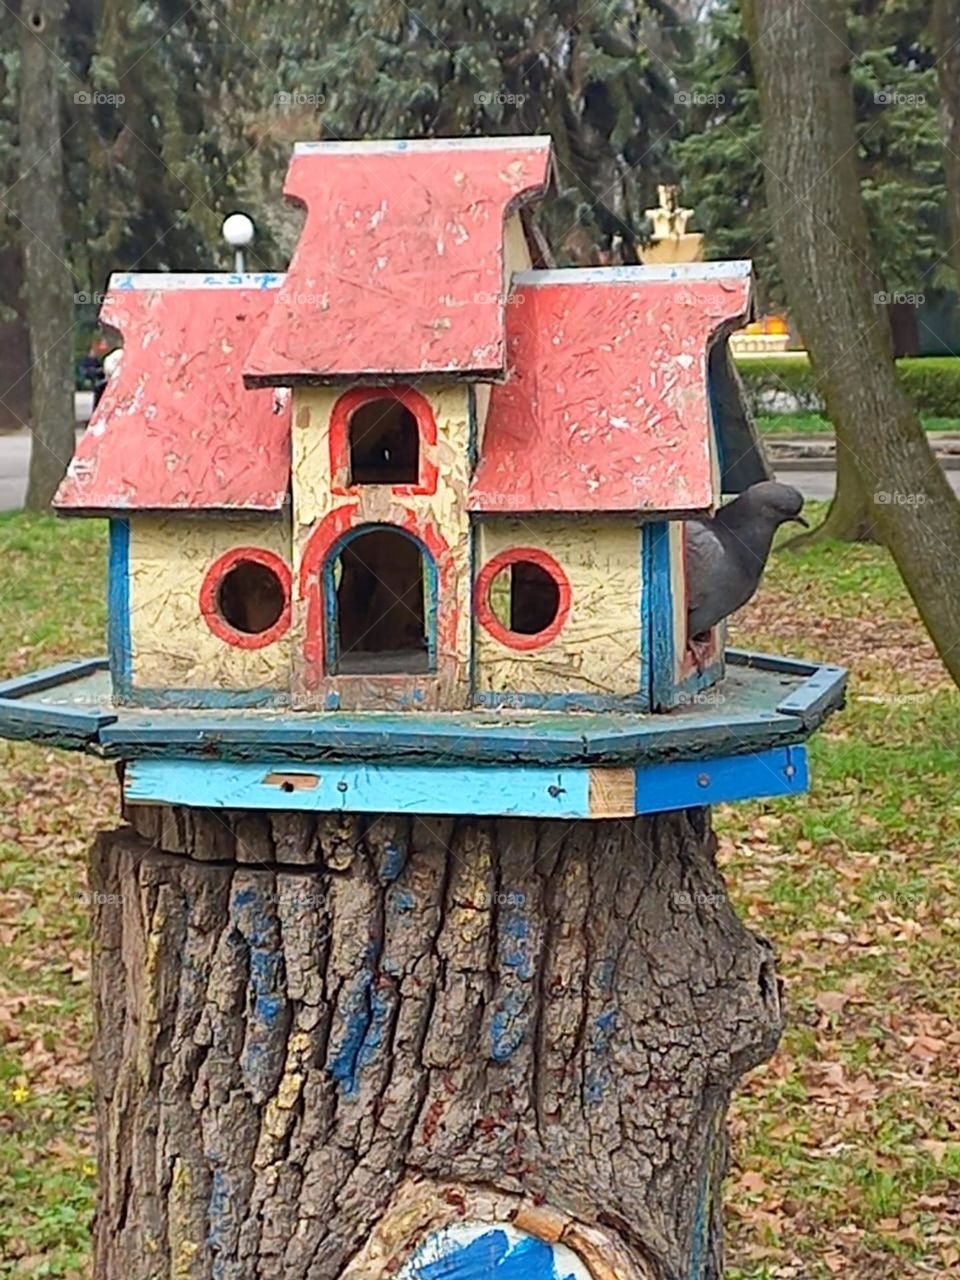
238,231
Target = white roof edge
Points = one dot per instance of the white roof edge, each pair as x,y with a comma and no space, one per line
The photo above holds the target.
125,281
539,142
733,270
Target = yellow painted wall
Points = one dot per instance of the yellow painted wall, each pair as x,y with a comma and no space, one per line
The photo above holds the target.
173,648
598,650
377,504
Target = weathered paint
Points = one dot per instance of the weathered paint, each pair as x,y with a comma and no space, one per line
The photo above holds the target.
399,269
176,429
676,679
210,588
491,1251
597,650
769,701
567,791
118,606
607,405
173,646
326,508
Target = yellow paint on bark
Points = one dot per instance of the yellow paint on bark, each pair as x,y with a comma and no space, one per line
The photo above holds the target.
173,648
598,649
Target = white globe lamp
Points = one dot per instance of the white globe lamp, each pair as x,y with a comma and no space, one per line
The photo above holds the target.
238,231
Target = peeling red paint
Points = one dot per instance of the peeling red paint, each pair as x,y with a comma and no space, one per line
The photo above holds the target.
399,269
176,429
606,405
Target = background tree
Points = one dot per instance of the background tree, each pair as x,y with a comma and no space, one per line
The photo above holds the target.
947,25
823,241
47,278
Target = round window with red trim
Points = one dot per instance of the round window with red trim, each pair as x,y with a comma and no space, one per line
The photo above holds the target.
245,597
522,598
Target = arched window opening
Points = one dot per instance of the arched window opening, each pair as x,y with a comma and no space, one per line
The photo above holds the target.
381,614
384,443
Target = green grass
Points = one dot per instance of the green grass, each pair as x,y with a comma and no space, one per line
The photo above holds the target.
846,1147
809,424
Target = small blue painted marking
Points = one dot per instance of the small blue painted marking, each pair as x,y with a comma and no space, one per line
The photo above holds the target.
120,643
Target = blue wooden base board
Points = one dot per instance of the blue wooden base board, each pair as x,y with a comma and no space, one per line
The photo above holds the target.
515,790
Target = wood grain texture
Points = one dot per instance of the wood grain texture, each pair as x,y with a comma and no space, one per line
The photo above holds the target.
399,269
296,1057
173,647
599,648
176,429
607,405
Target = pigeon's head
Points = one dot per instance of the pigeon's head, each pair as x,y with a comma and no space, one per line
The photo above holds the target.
776,503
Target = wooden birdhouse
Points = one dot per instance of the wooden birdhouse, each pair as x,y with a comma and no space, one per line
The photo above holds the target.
423,472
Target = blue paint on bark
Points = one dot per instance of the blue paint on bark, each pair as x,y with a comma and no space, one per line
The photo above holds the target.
490,1257
355,1010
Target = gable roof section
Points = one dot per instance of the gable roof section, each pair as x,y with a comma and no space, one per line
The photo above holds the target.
606,405
176,429
399,270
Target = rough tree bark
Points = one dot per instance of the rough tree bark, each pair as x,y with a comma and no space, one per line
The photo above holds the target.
47,279
319,1039
800,54
946,17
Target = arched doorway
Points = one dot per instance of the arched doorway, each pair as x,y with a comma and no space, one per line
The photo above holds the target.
380,593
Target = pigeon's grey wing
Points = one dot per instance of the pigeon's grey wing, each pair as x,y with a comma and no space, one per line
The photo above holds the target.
707,570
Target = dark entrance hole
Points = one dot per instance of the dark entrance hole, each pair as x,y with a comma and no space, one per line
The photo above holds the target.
251,597
384,443
381,617
524,598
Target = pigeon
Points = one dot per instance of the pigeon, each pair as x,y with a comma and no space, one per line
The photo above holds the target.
726,555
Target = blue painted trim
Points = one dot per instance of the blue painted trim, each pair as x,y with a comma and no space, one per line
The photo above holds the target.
516,790
561,701
645,617
51,677
660,614
685,784
119,641
206,699
328,587
523,790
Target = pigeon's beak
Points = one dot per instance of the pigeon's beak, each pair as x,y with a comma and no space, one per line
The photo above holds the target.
800,520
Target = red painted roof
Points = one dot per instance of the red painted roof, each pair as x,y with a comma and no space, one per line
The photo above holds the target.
606,404
176,428
399,269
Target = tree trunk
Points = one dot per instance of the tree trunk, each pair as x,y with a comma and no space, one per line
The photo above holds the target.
851,516
320,1040
801,58
946,17
47,278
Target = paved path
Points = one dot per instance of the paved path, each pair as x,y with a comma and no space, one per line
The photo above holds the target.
15,457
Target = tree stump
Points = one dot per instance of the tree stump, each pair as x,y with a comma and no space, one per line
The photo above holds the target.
319,1040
